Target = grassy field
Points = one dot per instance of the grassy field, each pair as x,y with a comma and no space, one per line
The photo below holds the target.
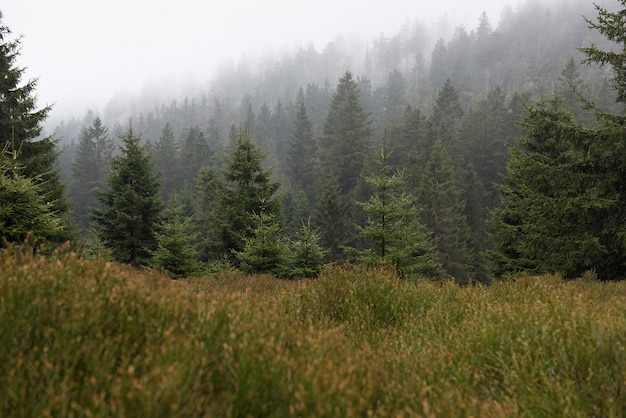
81,338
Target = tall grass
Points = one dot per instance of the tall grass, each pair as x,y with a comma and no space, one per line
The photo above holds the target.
81,338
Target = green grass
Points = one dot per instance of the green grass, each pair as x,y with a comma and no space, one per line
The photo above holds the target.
81,338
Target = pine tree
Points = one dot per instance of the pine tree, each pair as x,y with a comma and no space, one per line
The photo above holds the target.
393,232
347,131
129,215
24,213
331,218
176,249
307,256
264,250
20,128
563,197
302,153
444,215
246,191
446,118
89,171
167,161
194,154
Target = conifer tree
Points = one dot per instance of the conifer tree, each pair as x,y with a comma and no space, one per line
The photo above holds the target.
331,218
307,256
24,212
302,153
89,171
347,132
176,249
131,206
264,250
563,197
167,161
446,118
444,215
393,232
246,191
20,128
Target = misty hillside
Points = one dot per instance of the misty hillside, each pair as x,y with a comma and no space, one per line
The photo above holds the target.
444,111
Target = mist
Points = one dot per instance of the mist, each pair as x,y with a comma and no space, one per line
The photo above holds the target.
86,54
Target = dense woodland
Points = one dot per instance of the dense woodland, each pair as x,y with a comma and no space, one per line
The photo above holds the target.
469,154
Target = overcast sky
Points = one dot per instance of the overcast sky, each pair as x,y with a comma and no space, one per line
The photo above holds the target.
86,51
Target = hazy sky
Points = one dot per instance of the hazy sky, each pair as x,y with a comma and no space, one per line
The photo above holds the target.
86,51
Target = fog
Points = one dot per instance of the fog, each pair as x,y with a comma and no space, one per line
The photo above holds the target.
86,52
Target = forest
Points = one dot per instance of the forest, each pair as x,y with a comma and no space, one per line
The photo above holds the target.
494,151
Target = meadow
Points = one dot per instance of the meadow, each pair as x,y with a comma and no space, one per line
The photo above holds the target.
94,339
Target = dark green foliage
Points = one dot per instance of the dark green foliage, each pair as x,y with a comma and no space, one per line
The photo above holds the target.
444,215
264,250
485,134
194,154
246,191
129,215
347,131
611,26
563,198
24,214
89,171
21,126
331,218
302,153
307,256
206,202
176,249
167,161
446,118
393,233
561,209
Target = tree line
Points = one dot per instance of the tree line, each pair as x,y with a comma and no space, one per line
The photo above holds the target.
503,186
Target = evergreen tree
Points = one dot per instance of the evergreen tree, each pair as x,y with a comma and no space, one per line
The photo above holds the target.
167,161
264,250
194,154
331,218
446,118
307,256
24,213
393,232
563,197
444,215
247,190
89,171
206,202
176,249
129,215
347,130
20,128
611,26
486,132
302,153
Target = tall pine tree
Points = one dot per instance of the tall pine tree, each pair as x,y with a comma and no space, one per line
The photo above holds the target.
89,171
247,190
131,206
20,128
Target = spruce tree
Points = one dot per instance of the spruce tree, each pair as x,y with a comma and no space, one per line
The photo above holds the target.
20,128
25,214
331,218
306,256
89,171
167,161
347,132
176,249
131,206
264,250
393,232
444,215
563,197
302,152
246,191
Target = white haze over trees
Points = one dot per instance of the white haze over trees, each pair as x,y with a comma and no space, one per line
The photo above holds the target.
85,53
